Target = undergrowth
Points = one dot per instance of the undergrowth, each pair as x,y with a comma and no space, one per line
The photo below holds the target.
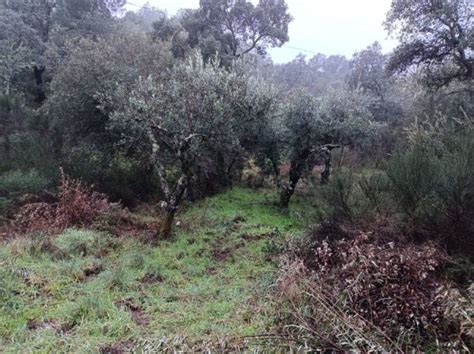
208,287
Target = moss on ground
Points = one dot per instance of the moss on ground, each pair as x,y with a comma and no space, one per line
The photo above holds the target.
85,291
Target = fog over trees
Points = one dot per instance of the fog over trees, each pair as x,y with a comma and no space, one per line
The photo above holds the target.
327,201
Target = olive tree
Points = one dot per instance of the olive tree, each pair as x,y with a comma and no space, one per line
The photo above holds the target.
312,126
83,144
190,119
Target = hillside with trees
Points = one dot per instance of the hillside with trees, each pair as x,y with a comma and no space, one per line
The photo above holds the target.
165,186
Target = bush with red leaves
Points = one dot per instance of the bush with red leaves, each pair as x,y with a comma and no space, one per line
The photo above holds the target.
77,205
372,294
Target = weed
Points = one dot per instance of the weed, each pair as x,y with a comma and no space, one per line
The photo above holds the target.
119,278
82,243
135,260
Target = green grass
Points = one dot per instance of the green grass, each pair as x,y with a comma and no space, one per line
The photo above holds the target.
83,290
23,181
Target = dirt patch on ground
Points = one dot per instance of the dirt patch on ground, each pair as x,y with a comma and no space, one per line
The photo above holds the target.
92,269
221,254
257,237
211,270
34,325
118,348
136,311
150,278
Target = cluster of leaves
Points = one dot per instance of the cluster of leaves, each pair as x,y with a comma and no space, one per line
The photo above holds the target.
365,292
22,181
312,126
433,183
230,28
438,35
77,205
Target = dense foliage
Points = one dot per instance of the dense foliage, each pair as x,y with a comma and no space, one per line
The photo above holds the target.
103,110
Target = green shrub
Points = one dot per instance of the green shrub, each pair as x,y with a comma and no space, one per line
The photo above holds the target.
374,186
414,176
340,196
19,181
455,192
4,204
112,172
434,189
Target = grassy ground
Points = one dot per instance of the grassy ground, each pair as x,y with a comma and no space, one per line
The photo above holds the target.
86,291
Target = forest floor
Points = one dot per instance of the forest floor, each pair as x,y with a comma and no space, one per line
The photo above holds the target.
211,286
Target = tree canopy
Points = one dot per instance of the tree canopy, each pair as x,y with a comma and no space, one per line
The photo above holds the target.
438,34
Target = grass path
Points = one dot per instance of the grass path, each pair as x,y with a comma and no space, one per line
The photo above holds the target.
88,291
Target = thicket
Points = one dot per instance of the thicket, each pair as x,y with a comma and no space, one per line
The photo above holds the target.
148,108
390,268
350,289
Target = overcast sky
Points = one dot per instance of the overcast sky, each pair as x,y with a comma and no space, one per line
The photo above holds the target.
319,26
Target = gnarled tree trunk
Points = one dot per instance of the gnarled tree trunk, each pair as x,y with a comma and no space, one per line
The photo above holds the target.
326,155
296,171
172,206
166,225
173,198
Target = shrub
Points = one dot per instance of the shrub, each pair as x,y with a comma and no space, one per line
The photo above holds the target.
19,181
357,197
4,204
363,293
455,194
252,175
434,189
77,205
112,172
374,187
414,176
339,195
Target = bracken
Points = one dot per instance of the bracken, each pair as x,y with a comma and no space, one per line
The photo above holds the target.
77,205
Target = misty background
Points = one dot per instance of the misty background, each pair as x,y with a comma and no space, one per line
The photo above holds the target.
338,27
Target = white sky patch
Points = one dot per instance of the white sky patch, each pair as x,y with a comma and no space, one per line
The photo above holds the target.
318,26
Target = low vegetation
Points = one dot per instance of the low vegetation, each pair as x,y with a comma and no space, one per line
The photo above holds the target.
208,287
164,186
